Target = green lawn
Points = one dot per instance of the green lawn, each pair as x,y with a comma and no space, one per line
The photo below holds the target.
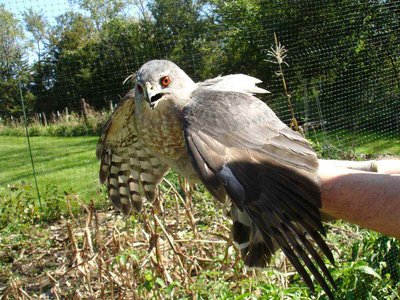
69,163
338,144
32,241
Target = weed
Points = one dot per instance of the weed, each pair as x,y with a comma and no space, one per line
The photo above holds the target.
20,205
71,125
159,255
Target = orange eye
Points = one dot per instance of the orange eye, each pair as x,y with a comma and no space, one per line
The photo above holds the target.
165,81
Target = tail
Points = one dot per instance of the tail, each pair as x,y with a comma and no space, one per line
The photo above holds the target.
255,248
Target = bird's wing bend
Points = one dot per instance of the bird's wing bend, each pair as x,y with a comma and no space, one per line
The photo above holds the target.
237,143
128,168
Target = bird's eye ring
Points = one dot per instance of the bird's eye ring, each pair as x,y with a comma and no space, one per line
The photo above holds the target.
165,81
140,89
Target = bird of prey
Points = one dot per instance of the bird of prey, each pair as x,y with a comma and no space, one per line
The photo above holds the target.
219,133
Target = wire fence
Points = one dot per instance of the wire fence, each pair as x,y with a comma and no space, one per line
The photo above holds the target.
333,69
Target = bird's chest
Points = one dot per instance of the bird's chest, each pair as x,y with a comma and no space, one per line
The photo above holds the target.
161,131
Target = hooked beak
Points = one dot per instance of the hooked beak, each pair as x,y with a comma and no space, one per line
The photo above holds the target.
152,95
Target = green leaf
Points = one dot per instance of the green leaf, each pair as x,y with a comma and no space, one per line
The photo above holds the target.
368,270
243,296
160,282
122,259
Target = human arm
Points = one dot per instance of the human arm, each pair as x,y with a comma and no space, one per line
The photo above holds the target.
371,200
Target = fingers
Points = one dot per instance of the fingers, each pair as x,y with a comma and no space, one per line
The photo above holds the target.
389,166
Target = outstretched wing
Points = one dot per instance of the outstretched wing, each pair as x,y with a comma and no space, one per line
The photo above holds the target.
128,168
237,143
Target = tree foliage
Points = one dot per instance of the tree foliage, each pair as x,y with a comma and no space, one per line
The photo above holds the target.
13,67
343,57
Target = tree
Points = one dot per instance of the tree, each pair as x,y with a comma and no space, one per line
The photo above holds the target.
102,11
68,63
36,24
180,31
13,67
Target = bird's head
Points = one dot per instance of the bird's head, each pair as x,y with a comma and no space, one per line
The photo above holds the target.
158,80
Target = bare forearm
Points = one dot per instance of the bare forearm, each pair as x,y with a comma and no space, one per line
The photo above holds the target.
371,200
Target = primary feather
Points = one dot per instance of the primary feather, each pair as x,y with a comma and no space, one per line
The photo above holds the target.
217,132
269,173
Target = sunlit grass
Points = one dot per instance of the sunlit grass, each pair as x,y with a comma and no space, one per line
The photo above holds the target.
67,163
32,240
339,144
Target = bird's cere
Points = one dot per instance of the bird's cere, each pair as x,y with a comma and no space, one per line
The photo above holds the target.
218,133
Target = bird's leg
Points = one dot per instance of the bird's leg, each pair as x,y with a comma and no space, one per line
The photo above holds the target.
188,203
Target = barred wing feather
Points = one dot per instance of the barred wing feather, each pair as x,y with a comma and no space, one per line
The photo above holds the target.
129,169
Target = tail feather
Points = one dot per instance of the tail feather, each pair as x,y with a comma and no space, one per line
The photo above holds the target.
255,247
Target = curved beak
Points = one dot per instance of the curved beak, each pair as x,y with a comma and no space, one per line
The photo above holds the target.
151,94
149,91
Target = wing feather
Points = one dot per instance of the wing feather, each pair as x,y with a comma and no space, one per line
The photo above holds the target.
129,169
236,82
239,145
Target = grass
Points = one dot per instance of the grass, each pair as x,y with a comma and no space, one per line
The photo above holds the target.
178,248
67,163
158,255
343,144
70,164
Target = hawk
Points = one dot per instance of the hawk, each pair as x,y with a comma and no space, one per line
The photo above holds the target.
218,133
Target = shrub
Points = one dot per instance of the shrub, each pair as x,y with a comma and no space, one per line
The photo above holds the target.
20,205
73,125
